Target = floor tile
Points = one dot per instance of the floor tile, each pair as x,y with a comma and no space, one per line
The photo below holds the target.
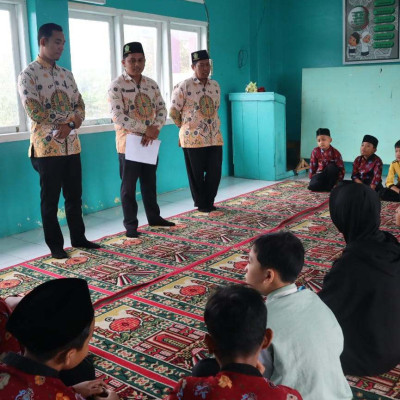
28,245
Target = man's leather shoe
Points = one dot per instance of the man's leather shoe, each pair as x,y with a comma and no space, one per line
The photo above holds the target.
161,222
86,244
59,254
132,234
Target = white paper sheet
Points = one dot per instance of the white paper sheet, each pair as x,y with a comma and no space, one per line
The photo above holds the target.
135,151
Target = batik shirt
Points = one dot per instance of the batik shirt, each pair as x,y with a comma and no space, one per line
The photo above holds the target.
194,110
25,379
7,341
394,170
234,382
134,107
320,159
368,171
50,97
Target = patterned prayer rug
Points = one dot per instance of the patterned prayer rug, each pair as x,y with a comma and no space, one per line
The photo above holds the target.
144,346
126,264
149,292
21,279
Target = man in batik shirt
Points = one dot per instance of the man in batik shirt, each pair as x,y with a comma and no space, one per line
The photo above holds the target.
52,101
194,109
137,108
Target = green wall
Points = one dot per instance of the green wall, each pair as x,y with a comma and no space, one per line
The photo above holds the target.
230,31
301,34
41,12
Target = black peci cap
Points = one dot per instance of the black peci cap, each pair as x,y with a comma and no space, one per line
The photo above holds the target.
371,139
200,55
52,315
132,47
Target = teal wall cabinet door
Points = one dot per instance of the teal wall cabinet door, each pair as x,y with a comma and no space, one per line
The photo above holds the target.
259,135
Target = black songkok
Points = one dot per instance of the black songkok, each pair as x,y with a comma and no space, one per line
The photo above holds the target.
132,47
371,139
323,131
200,55
52,315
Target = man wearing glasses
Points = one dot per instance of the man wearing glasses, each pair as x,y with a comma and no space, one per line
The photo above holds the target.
194,109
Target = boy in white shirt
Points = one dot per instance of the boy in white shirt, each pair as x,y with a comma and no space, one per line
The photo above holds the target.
307,343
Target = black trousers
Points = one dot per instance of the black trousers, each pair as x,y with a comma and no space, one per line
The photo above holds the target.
378,188
60,173
203,167
130,172
390,195
325,180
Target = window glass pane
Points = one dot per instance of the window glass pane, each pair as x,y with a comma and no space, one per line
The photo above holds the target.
146,35
183,43
8,89
91,67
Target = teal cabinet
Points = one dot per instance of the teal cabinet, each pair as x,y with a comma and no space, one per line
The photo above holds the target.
259,135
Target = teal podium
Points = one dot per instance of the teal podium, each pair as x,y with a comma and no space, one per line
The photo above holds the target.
259,135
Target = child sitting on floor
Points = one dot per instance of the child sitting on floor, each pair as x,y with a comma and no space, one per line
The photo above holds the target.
392,190
367,168
326,164
236,320
307,343
8,342
54,323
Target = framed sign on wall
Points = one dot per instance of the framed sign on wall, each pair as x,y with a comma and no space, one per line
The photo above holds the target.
370,31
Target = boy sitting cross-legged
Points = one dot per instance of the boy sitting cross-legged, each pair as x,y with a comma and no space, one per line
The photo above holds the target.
367,168
392,190
326,164
307,343
236,320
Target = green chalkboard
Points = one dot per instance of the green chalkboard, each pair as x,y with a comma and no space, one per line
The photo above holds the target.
351,102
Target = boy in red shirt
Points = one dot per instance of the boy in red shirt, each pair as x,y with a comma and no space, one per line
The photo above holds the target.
326,164
367,168
7,341
54,323
236,318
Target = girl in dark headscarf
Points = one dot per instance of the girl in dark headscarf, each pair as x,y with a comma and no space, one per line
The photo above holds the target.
363,286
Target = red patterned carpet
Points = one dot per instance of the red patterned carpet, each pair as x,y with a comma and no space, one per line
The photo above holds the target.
149,293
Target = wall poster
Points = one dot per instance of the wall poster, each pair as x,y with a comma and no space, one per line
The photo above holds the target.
370,31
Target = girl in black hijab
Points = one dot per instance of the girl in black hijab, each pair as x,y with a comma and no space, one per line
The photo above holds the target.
363,286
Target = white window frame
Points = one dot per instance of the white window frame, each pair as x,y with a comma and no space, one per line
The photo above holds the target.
113,62
152,24
118,17
201,39
162,23
21,57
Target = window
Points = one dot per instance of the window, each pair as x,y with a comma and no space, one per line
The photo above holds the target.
148,36
183,43
12,57
167,43
92,68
